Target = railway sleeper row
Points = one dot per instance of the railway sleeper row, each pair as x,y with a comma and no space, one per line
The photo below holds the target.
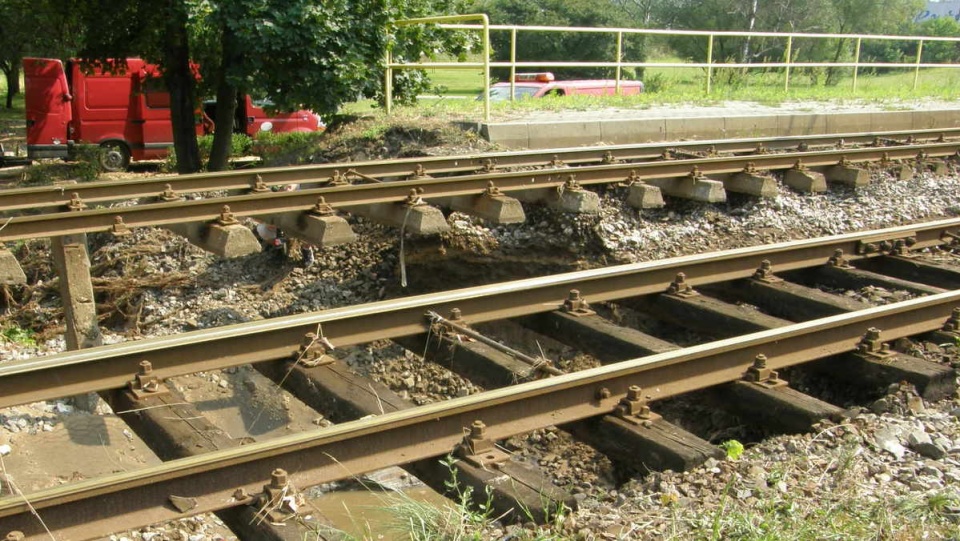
632,434
321,225
338,174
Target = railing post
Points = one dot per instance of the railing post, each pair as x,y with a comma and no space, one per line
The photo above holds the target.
513,62
388,80
916,74
786,70
619,60
709,62
856,61
486,69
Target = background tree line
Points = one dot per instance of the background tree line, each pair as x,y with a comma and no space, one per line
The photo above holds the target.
894,17
322,53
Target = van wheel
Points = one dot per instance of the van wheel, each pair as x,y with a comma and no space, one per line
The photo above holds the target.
114,156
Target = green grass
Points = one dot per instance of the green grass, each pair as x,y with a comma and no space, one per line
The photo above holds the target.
673,85
11,115
450,82
18,335
13,125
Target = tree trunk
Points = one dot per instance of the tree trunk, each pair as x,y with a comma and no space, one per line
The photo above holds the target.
751,23
226,105
223,134
11,73
182,86
833,72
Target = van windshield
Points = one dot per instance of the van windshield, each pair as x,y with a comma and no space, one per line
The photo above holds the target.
498,93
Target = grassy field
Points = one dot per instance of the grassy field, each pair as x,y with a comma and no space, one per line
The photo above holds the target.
10,114
12,122
670,85
690,83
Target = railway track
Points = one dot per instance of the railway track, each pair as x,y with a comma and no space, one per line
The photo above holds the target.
684,177
798,324
51,197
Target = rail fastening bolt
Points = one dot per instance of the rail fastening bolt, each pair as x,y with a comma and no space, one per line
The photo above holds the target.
15,535
145,368
478,430
308,340
278,478
760,361
633,392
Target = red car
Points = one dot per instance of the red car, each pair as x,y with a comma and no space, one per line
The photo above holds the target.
537,85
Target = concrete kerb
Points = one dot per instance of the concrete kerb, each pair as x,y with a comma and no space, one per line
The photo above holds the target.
505,134
563,134
849,122
641,126
631,131
926,120
692,128
751,126
801,124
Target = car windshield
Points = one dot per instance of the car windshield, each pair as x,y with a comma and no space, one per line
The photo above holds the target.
498,93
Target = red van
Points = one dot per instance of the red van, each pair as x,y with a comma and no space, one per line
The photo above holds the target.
124,109
537,85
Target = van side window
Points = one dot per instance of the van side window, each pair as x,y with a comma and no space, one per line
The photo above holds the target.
156,94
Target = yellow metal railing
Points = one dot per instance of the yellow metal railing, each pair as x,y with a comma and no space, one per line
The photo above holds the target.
485,53
710,65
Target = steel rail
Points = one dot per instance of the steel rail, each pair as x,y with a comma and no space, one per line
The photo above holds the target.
246,179
112,366
226,478
345,197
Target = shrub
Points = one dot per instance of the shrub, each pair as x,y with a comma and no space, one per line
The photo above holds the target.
87,162
240,145
18,335
285,148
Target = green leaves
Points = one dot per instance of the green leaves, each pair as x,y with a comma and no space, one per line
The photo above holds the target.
733,448
18,335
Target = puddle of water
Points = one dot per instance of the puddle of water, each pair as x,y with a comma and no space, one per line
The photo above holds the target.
374,514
